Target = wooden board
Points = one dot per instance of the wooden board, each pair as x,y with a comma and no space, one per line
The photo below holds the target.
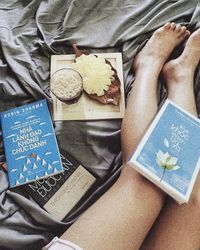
86,108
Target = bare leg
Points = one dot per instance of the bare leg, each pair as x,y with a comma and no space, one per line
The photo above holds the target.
122,217
142,103
178,226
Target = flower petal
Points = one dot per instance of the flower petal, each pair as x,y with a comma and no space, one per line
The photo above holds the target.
172,161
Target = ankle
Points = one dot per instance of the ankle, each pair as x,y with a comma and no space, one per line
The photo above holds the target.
178,75
144,71
183,85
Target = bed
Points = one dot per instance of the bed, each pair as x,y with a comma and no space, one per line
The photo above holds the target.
33,30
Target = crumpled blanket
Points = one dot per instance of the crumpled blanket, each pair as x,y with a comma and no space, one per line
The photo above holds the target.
33,30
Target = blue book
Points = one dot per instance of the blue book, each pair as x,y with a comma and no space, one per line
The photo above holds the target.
169,153
30,144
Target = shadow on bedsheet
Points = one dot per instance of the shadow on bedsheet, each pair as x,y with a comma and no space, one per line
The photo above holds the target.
30,32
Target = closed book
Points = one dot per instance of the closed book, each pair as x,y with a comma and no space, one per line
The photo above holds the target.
59,194
169,153
30,144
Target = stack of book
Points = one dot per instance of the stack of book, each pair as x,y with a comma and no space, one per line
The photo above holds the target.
52,177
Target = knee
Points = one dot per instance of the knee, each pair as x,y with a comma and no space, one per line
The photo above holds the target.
132,179
194,200
129,174
195,195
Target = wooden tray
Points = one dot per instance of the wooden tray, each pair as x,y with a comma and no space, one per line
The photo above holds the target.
86,108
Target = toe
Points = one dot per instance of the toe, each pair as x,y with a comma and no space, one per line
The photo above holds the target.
173,26
178,28
182,30
188,33
167,25
185,35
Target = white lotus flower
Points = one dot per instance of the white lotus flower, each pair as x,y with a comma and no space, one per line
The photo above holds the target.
167,161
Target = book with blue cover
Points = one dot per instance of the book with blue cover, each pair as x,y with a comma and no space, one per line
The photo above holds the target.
30,144
169,153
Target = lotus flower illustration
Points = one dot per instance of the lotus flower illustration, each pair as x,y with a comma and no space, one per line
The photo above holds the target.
166,161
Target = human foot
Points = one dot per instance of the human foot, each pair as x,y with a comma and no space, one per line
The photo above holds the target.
159,47
181,70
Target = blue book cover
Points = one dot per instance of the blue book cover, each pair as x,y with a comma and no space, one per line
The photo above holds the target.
30,144
169,153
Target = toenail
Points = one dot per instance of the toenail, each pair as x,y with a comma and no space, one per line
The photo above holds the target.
178,27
